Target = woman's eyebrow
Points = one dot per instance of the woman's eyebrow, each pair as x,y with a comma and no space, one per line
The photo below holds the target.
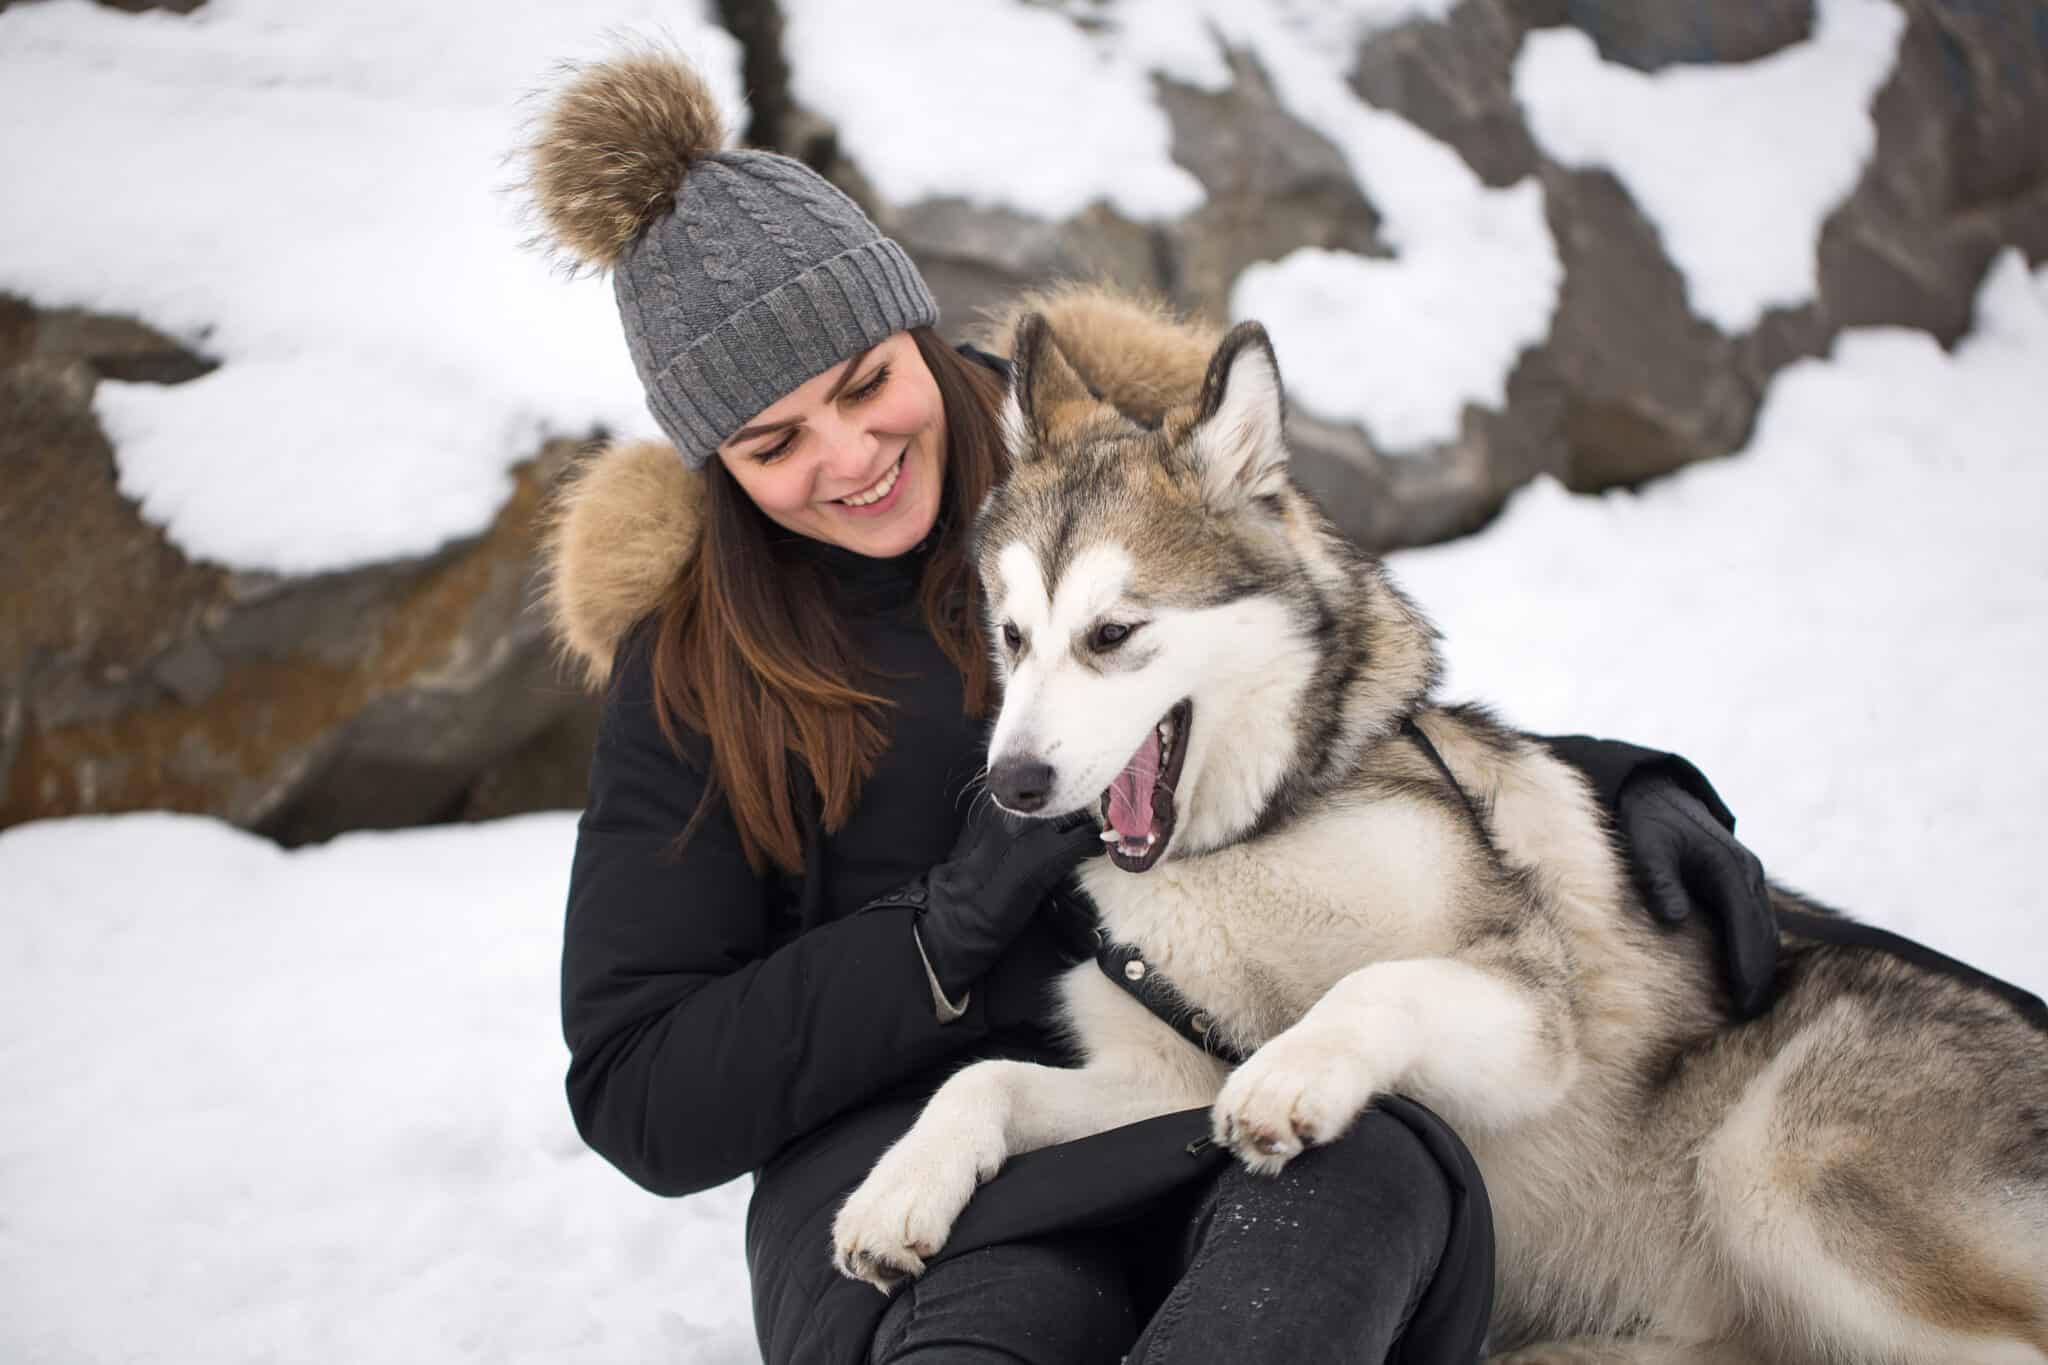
846,375
762,429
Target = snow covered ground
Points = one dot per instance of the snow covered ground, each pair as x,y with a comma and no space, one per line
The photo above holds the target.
307,1105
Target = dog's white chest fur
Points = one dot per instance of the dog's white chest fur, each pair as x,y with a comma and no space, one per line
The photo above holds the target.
1255,934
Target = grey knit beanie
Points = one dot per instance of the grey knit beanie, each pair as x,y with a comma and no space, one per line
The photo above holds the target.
739,274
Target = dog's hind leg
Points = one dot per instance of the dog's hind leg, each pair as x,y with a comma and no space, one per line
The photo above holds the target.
1860,1215
988,1112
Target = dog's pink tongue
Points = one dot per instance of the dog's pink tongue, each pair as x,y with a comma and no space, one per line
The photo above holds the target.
1130,795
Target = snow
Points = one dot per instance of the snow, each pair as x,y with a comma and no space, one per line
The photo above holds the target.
1841,625
308,1105
1736,165
1059,122
313,195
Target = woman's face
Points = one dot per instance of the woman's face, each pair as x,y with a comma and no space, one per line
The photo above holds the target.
853,456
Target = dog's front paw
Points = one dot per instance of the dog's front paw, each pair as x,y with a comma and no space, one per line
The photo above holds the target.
899,1218
1305,1086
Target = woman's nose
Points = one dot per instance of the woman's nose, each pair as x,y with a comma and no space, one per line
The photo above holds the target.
848,448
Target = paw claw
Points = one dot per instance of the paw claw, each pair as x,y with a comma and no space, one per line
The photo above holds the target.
1302,1088
898,1219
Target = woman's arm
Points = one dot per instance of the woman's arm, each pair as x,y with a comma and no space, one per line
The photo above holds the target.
696,1052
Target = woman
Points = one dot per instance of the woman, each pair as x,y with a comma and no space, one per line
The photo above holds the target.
788,920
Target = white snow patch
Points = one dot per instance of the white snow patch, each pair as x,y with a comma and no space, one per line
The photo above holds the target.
312,195
1736,165
308,1106
1845,625
995,102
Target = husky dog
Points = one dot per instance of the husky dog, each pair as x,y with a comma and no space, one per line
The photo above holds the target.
1189,646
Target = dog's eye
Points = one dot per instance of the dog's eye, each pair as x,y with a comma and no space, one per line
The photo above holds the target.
1012,637
1109,635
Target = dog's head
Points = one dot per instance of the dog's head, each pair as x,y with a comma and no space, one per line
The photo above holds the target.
1154,602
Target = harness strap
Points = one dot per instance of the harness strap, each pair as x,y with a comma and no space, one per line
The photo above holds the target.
1429,751
1123,964
1849,933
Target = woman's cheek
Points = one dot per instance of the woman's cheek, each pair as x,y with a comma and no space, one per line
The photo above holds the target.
780,490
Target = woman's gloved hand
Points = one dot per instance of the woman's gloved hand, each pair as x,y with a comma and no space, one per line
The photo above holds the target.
1682,858
1000,870
1682,852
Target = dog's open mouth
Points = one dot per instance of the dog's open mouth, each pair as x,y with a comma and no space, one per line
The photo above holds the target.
1138,808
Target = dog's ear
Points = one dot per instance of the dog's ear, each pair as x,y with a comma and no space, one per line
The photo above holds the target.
1046,393
1237,442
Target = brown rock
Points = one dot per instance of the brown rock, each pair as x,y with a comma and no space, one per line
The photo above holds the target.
1452,80
1961,169
133,678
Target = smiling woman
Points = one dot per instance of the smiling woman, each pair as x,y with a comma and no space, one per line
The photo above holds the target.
793,912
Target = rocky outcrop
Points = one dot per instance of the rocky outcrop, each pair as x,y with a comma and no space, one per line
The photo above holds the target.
132,678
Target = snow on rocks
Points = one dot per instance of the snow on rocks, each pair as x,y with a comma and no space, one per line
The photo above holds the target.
1736,164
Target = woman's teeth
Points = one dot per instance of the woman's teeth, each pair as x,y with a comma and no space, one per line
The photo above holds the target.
880,490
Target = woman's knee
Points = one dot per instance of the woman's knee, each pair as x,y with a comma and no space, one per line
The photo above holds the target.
1052,1300
1382,1172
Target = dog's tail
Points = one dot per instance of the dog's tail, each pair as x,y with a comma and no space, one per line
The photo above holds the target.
1133,349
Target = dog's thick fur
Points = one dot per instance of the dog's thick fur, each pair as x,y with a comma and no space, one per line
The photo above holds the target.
1861,1175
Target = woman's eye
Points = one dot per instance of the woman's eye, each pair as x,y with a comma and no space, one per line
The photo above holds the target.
775,452
870,387
1110,634
1012,637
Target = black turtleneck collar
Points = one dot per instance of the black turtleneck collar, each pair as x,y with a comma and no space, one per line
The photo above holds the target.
858,579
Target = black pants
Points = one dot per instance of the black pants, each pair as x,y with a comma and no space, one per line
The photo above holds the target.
1324,1262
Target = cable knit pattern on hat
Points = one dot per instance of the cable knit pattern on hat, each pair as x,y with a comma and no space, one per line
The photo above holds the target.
770,218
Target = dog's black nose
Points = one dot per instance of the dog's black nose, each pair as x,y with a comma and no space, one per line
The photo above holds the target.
1021,784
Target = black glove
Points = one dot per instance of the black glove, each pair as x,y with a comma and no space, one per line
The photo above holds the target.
1002,867
1681,858
1683,855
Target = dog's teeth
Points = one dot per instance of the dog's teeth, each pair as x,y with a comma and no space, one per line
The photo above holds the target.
1151,839
1110,836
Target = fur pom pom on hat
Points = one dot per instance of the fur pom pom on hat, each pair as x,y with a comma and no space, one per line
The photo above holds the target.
612,149
739,274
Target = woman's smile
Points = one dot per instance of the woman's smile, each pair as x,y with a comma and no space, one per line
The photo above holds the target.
878,496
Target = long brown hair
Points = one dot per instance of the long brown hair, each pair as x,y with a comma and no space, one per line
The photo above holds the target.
751,656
